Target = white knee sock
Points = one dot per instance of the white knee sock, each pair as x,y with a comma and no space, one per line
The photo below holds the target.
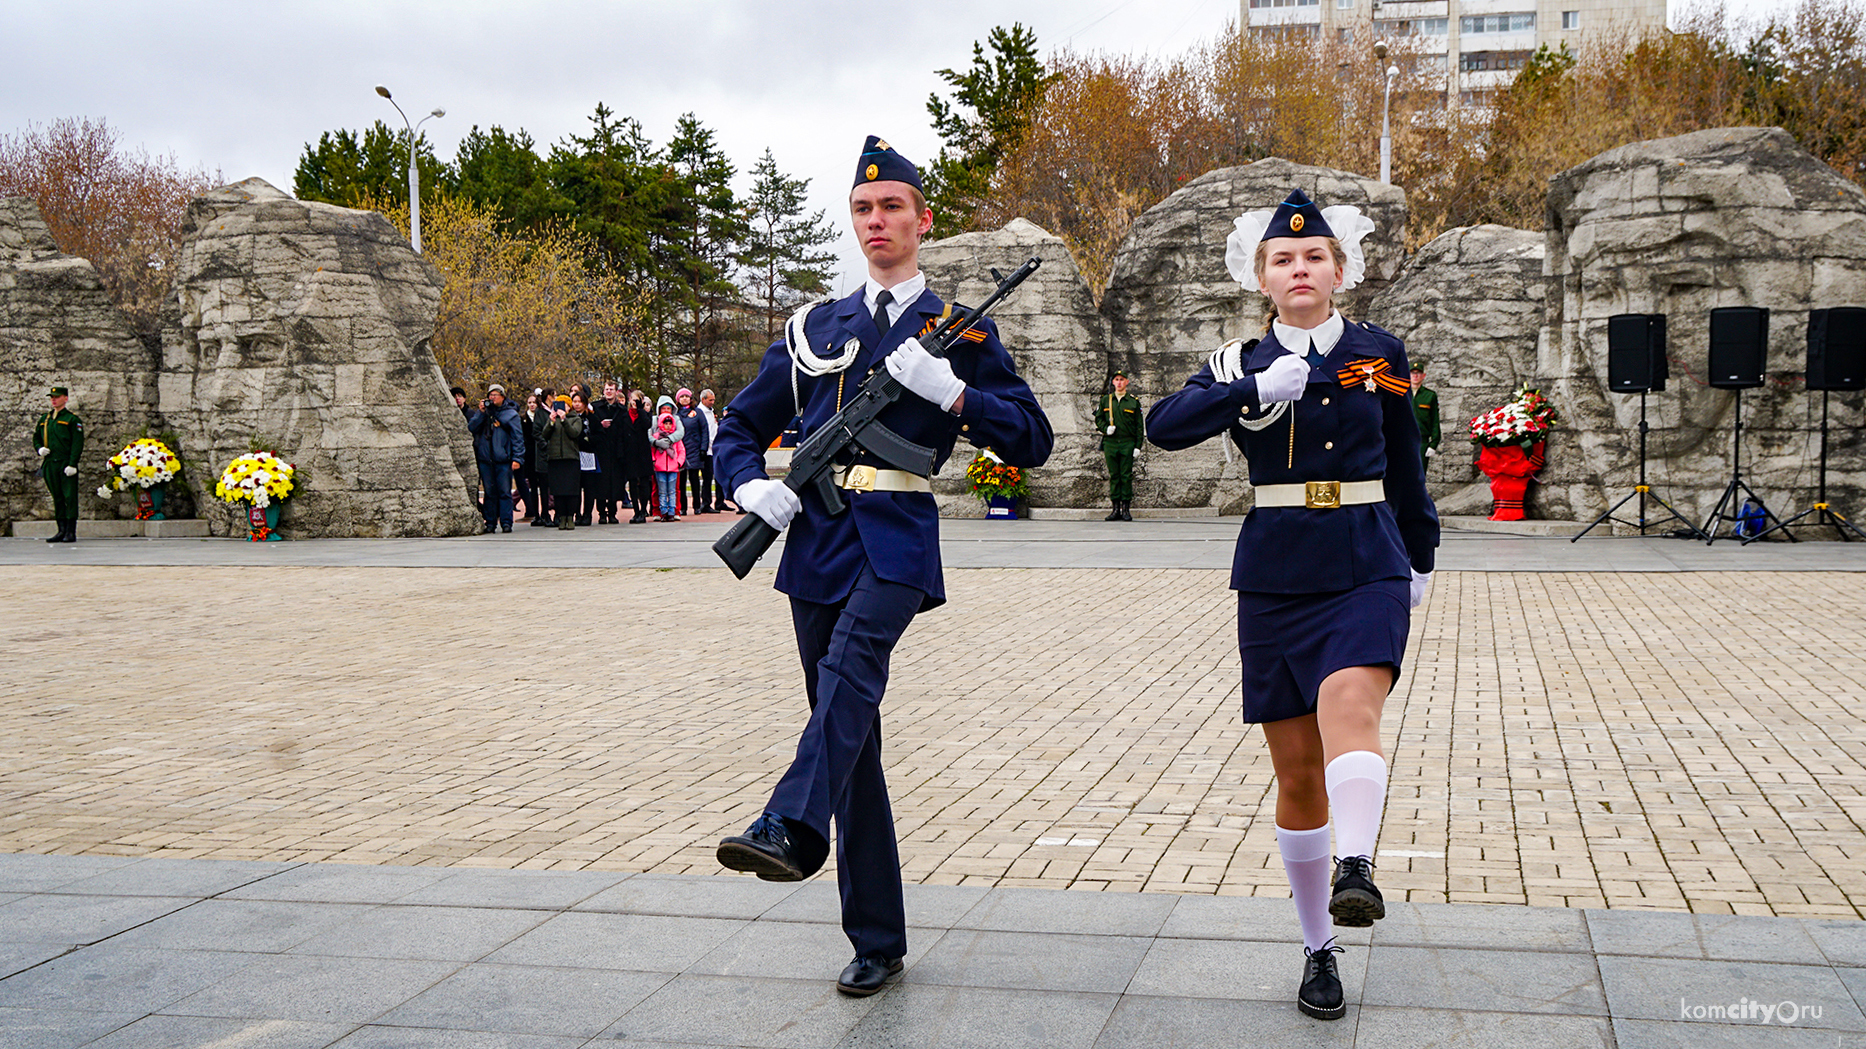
1357,792
1305,860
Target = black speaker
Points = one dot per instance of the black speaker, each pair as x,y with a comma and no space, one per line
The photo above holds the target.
1636,353
1837,349
1739,346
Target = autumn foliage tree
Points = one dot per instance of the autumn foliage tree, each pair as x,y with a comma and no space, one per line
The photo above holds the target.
537,307
121,208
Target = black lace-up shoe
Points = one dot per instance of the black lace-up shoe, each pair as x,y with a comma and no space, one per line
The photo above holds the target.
1356,902
865,975
765,849
1320,995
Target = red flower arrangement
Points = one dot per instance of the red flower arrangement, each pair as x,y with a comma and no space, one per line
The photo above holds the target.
991,476
1522,423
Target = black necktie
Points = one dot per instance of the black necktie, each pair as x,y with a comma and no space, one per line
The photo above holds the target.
882,324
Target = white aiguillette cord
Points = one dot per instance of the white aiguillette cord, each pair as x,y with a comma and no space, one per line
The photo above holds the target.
804,359
1227,363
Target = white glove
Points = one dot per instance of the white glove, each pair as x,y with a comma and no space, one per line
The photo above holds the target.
1431,453
929,376
1416,590
1136,451
1283,380
1110,432
71,471
770,500
43,452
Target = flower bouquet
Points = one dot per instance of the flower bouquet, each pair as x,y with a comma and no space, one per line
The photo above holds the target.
997,484
1509,441
1524,421
262,479
147,464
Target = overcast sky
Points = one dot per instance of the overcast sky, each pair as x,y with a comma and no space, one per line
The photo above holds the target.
242,87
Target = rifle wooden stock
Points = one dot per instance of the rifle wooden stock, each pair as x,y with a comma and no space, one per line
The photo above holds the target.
745,542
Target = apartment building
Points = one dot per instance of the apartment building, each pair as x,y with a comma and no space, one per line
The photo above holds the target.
1478,44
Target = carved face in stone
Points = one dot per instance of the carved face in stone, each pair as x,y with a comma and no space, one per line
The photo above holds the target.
1299,274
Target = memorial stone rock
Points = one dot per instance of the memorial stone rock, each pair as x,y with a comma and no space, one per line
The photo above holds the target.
1058,340
1679,226
1468,305
307,325
58,325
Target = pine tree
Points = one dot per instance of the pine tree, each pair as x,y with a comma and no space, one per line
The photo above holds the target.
784,260
701,246
347,170
1002,93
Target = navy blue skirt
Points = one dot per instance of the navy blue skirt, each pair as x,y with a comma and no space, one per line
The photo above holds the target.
1290,642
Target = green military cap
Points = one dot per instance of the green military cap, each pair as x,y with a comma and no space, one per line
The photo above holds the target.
60,391
1418,365
1118,375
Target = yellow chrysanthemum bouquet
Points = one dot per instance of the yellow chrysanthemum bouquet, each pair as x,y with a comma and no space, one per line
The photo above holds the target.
258,478
144,463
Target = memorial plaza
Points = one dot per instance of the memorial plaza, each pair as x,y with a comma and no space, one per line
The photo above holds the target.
466,792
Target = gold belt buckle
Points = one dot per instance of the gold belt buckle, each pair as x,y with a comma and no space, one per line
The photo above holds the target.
1322,495
860,479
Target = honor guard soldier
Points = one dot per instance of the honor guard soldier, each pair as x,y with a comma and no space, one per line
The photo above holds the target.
857,578
59,438
1337,549
1123,429
1424,412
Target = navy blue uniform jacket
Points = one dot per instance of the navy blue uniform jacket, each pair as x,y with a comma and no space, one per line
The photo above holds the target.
896,532
1342,433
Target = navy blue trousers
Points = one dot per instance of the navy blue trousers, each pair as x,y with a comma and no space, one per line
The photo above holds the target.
837,771
496,506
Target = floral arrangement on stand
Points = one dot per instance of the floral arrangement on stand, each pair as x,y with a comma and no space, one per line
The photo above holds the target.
996,483
145,463
263,480
1510,441
1524,421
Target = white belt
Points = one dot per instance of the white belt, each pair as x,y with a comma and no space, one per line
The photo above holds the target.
870,479
1322,495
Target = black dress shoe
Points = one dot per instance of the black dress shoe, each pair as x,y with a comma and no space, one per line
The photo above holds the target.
1320,995
765,849
865,975
1356,902
489,528
507,529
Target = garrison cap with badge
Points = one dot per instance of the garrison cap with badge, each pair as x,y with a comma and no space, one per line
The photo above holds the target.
880,163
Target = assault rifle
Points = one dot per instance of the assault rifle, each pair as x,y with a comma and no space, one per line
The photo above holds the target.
813,464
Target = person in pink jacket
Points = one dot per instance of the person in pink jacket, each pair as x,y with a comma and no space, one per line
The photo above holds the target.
665,436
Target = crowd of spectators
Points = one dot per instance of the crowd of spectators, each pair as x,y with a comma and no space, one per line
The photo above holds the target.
571,459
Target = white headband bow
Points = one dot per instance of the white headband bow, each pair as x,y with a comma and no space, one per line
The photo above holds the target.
1346,220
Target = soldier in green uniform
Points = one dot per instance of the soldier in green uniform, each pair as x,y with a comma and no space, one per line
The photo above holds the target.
1425,412
1118,417
59,437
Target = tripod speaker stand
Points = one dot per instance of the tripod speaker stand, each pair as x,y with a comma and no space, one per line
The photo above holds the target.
1643,491
1822,512
1737,488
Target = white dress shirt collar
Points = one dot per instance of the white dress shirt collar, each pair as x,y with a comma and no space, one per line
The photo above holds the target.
904,295
1298,340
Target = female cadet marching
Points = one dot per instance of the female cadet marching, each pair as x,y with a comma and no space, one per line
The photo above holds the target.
1329,563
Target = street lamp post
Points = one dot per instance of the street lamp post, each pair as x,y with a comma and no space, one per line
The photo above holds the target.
1386,109
414,176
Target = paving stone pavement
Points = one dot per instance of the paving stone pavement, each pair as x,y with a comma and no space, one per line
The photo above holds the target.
117,952
195,742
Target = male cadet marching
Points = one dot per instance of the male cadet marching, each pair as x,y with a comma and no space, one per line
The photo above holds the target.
856,579
1424,412
59,437
1117,416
